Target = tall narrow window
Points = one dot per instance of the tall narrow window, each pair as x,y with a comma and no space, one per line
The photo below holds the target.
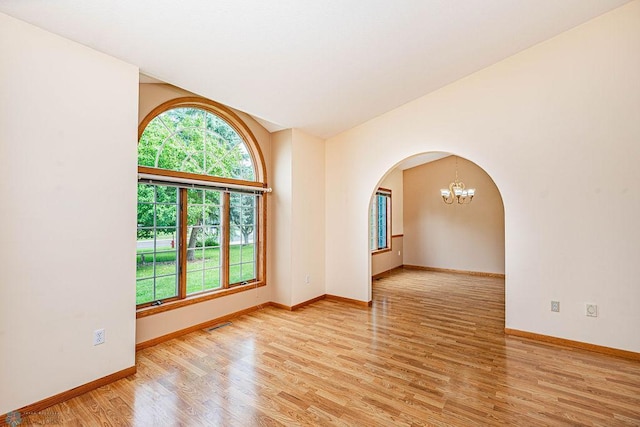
156,261
204,230
380,221
201,208
242,239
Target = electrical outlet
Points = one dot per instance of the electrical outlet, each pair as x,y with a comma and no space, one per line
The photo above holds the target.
592,310
398,253
555,306
98,337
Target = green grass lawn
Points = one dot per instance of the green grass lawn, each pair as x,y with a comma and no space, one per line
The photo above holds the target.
203,273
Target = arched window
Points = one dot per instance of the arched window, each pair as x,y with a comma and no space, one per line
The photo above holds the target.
188,139
201,209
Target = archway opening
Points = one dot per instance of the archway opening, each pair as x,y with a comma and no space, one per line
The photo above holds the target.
429,234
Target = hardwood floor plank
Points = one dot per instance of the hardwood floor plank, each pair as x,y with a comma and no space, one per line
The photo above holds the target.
431,351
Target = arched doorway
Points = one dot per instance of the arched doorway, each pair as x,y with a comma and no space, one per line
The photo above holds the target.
427,233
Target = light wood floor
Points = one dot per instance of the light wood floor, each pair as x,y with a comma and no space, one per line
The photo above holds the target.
430,351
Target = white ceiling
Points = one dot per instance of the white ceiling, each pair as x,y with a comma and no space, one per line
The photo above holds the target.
323,66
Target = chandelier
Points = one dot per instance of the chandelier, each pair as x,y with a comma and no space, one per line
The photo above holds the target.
457,191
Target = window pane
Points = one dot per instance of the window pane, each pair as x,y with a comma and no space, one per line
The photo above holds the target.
154,135
212,236
166,287
195,259
144,291
203,240
166,215
196,141
379,221
149,264
167,194
157,255
242,212
248,253
248,272
195,196
212,278
145,193
242,263
194,281
211,215
194,235
211,257
166,263
242,238
194,217
144,264
235,274
212,197
382,221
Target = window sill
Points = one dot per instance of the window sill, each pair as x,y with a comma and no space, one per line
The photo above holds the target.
381,251
195,299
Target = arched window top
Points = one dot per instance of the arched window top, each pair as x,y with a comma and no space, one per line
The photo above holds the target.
192,138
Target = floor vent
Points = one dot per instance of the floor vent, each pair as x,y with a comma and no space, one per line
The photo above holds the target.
218,326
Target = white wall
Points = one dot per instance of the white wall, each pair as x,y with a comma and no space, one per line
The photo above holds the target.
281,262
308,223
67,184
458,237
557,129
383,262
298,195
